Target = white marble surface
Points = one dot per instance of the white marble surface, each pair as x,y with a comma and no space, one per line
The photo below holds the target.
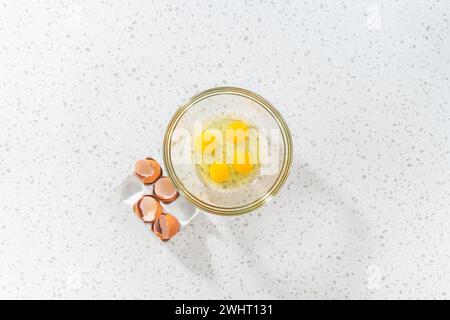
88,87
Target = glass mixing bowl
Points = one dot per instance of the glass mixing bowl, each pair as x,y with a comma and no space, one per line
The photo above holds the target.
275,149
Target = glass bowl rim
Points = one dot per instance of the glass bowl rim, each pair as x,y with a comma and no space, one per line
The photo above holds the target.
287,142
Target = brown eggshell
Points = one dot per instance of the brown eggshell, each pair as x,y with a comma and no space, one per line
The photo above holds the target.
164,190
147,170
148,209
166,226
156,228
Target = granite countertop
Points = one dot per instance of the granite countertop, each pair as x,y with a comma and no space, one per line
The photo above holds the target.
87,87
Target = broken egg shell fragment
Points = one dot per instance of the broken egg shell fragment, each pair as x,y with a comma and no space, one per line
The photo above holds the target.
166,226
147,170
164,190
148,208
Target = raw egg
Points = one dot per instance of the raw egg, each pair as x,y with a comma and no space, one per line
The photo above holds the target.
243,167
237,131
222,170
219,172
204,140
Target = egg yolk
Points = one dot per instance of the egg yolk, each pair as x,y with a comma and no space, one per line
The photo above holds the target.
237,124
243,168
219,172
239,130
204,141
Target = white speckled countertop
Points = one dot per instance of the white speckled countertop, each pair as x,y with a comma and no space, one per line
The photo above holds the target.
88,87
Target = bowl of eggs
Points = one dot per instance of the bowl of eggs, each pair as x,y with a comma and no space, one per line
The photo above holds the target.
227,150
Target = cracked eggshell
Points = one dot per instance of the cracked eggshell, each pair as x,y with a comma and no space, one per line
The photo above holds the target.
164,190
166,226
147,170
148,208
